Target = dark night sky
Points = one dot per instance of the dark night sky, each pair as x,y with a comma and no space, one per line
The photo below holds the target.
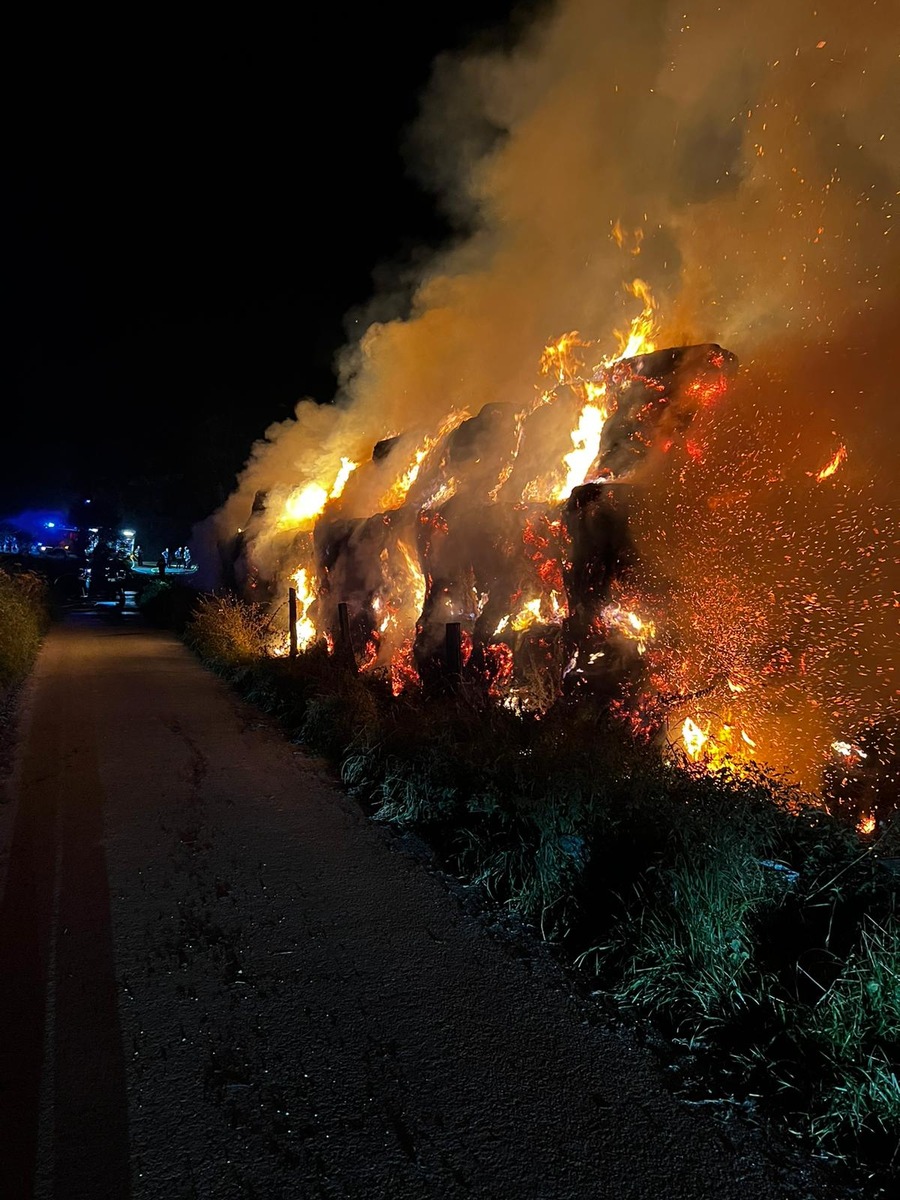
188,215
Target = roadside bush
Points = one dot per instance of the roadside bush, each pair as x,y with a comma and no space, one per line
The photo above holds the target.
24,619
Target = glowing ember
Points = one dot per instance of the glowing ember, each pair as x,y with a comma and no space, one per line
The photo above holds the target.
866,824
403,674
369,655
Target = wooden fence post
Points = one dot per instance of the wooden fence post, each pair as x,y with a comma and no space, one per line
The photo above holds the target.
346,637
453,650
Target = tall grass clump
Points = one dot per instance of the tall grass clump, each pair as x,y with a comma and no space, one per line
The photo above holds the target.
692,935
227,632
532,861
24,619
854,1030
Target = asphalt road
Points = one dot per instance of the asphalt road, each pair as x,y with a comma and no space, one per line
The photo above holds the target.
218,979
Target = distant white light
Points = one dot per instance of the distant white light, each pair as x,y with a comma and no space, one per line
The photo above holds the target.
51,524
127,533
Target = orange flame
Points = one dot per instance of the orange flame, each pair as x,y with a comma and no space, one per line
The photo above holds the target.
347,469
564,366
717,749
558,359
831,466
395,496
630,625
306,503
641,335
585,444
306,630
693,737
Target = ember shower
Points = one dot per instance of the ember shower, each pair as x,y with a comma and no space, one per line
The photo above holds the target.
712,184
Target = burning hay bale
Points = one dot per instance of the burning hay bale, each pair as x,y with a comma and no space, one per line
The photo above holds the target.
656,398
604,646
533,583
473,534
347,558
369,565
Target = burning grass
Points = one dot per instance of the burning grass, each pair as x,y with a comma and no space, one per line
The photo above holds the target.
734,913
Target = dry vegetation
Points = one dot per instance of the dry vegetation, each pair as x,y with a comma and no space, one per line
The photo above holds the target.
24,617
750,929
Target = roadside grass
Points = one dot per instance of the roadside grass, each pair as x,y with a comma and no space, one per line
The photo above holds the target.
732,914
25,614
855,1026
